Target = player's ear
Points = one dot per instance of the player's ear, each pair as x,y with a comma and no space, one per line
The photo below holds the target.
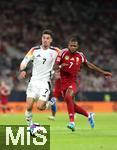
51,40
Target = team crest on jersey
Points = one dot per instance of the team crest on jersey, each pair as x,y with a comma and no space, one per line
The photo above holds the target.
77,59
66,57
51,55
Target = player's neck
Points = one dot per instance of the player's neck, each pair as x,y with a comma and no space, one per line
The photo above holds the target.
45,47
72,52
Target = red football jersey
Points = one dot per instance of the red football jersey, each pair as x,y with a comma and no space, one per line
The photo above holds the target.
69,73
57,88
4,92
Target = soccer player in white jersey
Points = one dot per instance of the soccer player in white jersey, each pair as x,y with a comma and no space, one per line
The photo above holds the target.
43,58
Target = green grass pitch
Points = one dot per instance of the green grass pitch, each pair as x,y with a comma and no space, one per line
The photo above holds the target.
102,137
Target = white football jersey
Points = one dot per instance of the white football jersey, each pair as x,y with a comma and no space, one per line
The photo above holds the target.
43,61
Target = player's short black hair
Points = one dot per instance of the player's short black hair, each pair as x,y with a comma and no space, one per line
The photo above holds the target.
48,31
73,39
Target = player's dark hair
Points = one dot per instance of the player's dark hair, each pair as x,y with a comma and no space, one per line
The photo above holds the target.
48,31
73,39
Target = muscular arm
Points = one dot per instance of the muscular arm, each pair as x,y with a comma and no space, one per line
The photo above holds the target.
98,69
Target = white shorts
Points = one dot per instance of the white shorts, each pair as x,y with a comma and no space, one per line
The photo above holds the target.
38,90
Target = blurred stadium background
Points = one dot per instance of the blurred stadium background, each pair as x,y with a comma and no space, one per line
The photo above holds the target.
94,23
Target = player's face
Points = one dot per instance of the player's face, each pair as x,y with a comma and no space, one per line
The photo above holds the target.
73,46
46,40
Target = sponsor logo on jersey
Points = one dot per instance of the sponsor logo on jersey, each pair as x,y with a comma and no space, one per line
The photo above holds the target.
77,59
66,57
38,55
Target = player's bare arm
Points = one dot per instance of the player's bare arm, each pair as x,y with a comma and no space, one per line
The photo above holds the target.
57,66
96,68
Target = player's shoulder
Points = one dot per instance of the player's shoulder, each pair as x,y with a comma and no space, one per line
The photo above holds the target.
80,53
55,49
83,57
32,50
64,51
35,48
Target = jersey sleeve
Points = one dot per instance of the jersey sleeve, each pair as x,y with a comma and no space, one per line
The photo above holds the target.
28,57
58,59
58,51
60,56
84,59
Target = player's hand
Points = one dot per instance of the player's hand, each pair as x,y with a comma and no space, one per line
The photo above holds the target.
107,74
22,75
64,64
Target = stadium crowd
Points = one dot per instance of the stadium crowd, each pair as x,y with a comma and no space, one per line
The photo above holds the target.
92,22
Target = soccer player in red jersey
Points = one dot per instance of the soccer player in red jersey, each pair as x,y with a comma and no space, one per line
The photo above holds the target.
4,93
56,93
69,62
